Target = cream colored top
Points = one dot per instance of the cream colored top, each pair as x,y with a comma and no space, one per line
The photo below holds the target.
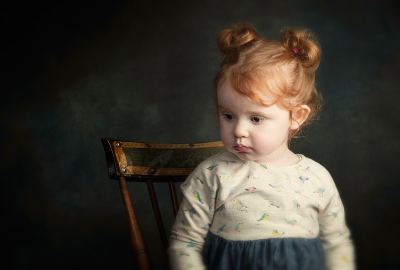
247,200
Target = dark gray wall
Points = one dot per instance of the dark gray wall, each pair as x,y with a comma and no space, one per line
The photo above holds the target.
143,71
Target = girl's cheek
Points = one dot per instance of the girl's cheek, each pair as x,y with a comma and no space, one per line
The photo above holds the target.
225,125
225,129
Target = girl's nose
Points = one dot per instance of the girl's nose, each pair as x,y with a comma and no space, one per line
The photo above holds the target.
240,130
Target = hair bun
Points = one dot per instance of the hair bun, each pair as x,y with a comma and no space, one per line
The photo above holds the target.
302,44
235,37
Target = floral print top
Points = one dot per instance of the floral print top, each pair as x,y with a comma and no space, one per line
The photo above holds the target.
247,200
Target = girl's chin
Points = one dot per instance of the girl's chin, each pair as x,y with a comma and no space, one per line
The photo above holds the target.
247,156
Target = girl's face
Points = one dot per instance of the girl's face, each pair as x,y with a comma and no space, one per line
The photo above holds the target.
249,130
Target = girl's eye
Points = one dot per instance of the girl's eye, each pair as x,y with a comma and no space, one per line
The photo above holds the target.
257,119
227,116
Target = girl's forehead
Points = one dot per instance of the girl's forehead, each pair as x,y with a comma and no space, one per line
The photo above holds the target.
230,99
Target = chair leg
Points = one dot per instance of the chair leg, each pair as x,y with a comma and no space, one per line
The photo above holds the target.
139,248
172,195
157,214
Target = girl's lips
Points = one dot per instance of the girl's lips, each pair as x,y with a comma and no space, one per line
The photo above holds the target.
242,149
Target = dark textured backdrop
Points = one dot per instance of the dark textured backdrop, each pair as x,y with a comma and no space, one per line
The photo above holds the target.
76,72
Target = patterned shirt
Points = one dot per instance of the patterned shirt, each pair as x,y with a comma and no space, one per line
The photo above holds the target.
247,200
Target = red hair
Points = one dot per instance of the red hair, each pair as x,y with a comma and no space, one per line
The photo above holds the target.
283,69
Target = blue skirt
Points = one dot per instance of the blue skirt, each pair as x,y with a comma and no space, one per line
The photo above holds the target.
274,253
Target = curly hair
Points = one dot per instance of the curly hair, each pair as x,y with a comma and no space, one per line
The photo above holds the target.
283,69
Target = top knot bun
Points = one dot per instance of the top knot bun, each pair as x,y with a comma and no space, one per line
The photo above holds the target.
302,44
236,37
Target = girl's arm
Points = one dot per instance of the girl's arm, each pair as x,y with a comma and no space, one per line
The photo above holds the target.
335,235
192,221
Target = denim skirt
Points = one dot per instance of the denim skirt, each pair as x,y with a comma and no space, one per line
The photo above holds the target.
273,253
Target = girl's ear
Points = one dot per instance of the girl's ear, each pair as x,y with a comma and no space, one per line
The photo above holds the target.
299,115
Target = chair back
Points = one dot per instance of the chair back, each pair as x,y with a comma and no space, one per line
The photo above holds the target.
150,163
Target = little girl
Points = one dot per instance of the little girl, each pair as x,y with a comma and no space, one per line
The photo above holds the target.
258,205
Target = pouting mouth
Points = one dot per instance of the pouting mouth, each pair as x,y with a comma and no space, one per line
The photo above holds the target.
242,148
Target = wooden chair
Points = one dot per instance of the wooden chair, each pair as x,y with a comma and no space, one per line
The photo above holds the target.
149,163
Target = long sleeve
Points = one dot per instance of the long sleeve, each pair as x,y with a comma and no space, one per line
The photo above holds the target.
192,221
335,235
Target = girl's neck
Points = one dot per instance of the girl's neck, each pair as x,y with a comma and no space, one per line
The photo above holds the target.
282,156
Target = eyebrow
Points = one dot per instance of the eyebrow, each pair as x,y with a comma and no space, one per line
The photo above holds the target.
249,112
221,107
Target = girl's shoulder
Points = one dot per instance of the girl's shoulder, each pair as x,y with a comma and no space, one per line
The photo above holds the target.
317,169
223,157
219,163
206,171
313,164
